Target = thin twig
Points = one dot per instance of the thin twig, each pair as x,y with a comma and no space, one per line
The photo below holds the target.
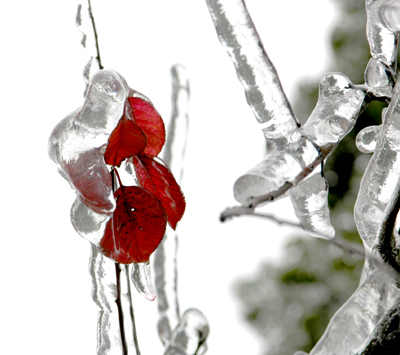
120,313
338,241
95,36
256,200
240,210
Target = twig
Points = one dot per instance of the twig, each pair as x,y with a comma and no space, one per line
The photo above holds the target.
120,312
95,36
256,200
240,210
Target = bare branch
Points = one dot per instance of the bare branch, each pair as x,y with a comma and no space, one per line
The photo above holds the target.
98,58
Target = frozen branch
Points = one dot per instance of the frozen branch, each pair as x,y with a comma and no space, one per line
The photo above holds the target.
254,69
98,58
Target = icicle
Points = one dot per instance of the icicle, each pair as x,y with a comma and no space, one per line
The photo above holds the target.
190,335
141,278
104,294
310,199
165,257
177,133
165,267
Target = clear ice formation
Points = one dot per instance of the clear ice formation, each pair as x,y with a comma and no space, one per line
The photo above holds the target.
366,139
76,145
292,154
383,26
181,334
104,294
141,278
190,335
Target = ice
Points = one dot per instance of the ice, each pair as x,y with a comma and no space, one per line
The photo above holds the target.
261,83
104,294
141,278
310,198
292,153
76,146
383,26
165,260
375,213
165,257
190,335
367,138
292,158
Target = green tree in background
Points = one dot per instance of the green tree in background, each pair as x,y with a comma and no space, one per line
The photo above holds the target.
290,304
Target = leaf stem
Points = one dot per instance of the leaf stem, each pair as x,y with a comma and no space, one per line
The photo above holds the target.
95,36
120,313
117,175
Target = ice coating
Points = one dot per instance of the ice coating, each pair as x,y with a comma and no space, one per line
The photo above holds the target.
76,144
310,201
363,321
190,335
380,183
165,259
240,39
141,278
293,156
338,107
351,326
104,293
292,153
375,214
383,26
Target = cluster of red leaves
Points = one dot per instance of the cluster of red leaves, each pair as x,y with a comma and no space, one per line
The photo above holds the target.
139,220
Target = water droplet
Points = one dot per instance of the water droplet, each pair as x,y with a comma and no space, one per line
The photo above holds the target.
366,139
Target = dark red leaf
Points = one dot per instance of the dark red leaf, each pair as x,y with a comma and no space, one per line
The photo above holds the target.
158,179
126,140
136,227
150,121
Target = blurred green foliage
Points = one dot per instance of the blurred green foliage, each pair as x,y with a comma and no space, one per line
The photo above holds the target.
290,304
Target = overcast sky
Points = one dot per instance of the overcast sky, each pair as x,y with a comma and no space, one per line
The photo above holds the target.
46,302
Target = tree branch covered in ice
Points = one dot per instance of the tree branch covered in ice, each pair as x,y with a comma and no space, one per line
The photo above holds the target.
293,163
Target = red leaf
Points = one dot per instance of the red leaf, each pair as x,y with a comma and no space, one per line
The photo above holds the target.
150,121
136,228
126,140
158,179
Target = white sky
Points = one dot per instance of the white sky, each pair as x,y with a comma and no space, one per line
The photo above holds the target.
45,302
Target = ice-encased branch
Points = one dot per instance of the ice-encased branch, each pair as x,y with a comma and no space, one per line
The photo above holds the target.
186,334
258,75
